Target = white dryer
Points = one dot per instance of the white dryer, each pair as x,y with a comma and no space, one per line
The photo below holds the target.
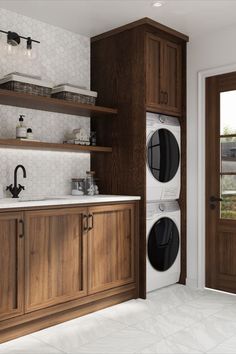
163,157
163,244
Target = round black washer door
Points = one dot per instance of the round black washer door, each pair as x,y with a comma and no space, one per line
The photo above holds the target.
163,155
163,244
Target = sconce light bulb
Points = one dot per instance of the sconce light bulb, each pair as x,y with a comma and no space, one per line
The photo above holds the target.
9,48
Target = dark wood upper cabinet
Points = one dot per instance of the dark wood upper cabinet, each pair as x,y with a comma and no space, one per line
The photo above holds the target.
163,75
11,265
55,257
110,247
154,74
138,67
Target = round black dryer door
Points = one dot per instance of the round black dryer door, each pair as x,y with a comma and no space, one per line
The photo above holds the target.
163,155
163,244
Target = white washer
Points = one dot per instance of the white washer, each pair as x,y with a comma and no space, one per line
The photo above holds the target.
163,157
163,244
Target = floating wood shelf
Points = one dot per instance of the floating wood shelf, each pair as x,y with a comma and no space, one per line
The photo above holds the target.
35,145
25,100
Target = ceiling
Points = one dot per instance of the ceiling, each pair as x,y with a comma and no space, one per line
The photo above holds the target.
92,17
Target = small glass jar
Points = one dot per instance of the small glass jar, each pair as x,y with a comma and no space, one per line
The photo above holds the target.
90,183
77,186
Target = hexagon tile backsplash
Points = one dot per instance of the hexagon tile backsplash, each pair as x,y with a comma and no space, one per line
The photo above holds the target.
62,57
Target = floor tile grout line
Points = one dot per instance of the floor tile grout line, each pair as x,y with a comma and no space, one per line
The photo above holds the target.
50,345
103,336
225,340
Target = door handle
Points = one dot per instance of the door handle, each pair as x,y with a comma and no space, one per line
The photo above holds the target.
214,199
90,217
85,223
21,235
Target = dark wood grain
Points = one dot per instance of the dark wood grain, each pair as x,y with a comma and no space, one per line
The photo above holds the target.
119,64
25,100
163,75
220,232
143,22
35,145
154,71
118,73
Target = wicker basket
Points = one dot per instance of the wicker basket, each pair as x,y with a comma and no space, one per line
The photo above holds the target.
26,88
24,84
74,94
75,97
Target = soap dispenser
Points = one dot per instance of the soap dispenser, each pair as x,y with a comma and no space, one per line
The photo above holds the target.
21,130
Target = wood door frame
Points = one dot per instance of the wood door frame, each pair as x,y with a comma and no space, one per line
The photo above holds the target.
199,282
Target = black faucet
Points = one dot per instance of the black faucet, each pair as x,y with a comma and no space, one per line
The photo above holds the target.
15,190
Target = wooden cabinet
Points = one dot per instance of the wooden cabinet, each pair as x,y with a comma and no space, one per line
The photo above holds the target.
110,247
163,75
57,264
55,257
11,265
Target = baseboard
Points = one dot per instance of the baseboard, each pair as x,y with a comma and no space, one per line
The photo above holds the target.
192,283
54,319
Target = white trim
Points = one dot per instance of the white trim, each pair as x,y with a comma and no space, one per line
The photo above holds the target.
191,283
202,75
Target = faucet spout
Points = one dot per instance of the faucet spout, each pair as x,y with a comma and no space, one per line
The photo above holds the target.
16,189
15,173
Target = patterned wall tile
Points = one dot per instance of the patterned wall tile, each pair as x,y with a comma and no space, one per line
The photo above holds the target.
61,57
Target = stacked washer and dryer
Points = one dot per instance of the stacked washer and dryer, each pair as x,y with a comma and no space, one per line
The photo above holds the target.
163,178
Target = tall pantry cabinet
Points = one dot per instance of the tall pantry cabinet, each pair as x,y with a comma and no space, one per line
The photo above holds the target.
139,68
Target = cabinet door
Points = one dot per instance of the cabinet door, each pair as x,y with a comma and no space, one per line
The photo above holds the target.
110,247
11,265
154,72
55,257
172,85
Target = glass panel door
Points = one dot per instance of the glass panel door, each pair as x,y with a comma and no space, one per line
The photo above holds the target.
228,154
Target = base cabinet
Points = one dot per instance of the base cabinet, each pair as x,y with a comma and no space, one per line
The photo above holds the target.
64,262
110,247
11,265
55,257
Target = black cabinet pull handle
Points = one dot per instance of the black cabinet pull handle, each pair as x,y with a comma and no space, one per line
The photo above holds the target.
21,222
85,222
90,225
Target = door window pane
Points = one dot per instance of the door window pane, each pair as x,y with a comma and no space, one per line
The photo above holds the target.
228,112
228,195
228,155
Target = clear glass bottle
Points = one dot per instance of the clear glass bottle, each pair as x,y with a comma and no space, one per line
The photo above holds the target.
90,183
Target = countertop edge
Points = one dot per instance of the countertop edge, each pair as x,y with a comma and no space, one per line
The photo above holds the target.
68,201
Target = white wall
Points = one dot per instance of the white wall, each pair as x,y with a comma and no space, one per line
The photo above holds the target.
210,51
62,57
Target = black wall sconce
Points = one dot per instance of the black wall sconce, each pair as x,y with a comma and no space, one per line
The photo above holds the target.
14,39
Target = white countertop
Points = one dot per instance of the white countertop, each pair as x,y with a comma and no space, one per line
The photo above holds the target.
10,203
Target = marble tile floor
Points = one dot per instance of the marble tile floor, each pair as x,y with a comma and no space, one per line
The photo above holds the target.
175,319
